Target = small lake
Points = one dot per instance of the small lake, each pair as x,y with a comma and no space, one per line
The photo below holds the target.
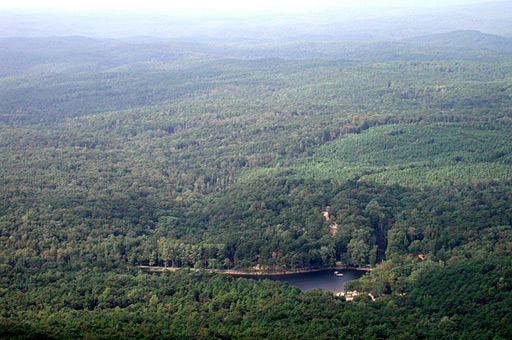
324,279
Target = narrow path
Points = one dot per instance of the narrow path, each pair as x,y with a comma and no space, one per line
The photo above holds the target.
155,269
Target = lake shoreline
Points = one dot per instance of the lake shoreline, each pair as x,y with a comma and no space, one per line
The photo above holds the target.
155,269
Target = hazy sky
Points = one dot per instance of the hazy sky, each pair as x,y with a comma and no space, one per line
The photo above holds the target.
219,6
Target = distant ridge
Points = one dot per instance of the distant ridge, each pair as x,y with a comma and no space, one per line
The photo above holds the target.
337,24
465,38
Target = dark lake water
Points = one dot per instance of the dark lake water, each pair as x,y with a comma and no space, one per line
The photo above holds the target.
325,279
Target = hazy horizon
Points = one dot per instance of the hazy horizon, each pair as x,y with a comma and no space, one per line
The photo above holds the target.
226,7
264,20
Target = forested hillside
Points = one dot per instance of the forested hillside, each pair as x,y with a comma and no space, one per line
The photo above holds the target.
119,154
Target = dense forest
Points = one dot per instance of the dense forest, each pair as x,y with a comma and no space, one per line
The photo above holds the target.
119,154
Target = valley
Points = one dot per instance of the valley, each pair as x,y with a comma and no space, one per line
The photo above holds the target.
119,157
